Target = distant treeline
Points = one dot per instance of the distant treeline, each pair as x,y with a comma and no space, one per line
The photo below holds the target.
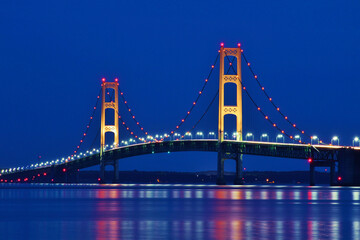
255,177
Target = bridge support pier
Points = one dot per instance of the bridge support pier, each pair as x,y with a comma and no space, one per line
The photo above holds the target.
220,170
312,174
332,173
220,167
116,171
102,171
115,164
239,170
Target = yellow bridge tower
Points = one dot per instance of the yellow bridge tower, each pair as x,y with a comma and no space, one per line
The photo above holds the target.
233,110
112,104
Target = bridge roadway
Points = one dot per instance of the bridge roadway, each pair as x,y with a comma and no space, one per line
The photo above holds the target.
321,155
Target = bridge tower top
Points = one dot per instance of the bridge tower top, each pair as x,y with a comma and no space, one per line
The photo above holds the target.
112,104
224,79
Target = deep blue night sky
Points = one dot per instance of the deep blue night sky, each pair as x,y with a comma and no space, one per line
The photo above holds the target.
54,54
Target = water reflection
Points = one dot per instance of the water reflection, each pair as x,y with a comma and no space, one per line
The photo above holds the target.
181,212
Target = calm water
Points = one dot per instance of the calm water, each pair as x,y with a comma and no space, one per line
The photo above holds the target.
80,211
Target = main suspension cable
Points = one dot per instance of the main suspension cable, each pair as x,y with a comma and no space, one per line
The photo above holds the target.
130,112
197,98
89,124
271,99
259,109
210,104
123,123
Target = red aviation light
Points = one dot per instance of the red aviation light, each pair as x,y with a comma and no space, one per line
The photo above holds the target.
310,160
239,45
221,44
116,80
339,178
103,79
64,170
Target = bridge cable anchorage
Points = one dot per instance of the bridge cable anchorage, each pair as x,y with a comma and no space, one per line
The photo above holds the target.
271,100
196,100
126,127
89,124
259,109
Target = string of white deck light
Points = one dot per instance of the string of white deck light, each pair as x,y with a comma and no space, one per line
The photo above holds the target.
88,125
271,99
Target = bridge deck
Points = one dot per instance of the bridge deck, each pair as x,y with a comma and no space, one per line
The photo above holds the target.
284,150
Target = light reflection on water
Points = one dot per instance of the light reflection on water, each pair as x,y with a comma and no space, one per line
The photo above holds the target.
178,212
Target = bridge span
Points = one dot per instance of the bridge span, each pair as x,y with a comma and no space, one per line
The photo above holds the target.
316,155
344,162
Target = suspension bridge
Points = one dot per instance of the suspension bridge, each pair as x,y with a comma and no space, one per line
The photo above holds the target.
343,161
